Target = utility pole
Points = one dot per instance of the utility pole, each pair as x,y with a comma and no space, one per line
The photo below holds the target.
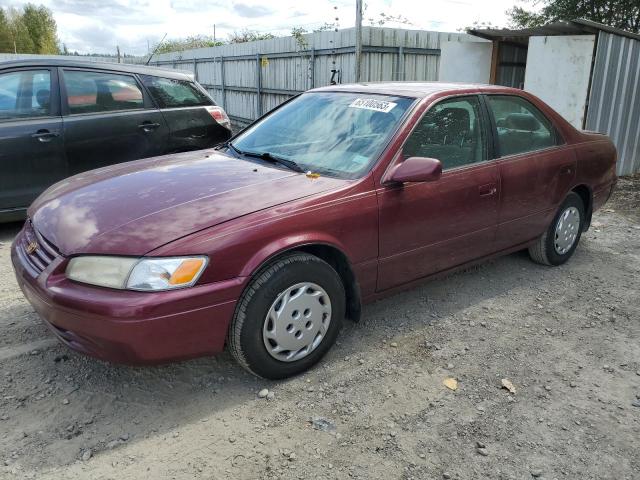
358,38
118,50
214,33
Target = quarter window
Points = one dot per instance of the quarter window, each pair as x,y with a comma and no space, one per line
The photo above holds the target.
91,92
521,127
451,131
169,93
25,94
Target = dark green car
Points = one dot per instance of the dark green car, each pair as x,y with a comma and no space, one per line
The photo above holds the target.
62,117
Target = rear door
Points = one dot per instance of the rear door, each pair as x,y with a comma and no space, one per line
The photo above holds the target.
108,118
536,169
433,226
187,111
31,139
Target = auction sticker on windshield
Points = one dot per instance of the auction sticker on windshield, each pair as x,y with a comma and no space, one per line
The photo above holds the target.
373,104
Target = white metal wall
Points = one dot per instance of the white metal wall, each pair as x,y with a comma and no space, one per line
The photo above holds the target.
558,71
614,102
249,79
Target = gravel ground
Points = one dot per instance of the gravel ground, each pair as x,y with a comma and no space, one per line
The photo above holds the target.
566,338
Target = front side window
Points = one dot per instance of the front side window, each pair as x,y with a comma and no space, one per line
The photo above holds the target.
91,92
337,133
169,93
521,127
451,131
25,94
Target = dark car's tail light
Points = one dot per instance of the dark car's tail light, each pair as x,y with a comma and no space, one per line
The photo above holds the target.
220,116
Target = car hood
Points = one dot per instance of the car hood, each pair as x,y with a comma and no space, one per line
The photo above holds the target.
136,207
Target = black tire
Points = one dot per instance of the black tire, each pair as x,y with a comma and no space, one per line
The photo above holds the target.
245,339
544,251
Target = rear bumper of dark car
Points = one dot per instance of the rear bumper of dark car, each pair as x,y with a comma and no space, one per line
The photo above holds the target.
124,326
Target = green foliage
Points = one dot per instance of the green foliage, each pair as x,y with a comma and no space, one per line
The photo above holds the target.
30,30
623,14
298,35
246,35
42,28
5,34
180,44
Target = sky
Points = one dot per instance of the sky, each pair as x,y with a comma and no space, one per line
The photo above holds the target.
98,26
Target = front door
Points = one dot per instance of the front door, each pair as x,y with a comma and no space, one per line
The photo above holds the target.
31,141
429,227
108,118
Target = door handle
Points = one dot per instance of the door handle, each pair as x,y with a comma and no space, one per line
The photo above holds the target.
148,126
44,135
487,190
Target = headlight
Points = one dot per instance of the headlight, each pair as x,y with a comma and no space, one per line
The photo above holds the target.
146,274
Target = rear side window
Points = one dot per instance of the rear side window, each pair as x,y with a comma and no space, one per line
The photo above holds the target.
169,93
25,94
91,92
521,126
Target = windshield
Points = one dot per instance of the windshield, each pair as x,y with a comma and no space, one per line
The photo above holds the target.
328,132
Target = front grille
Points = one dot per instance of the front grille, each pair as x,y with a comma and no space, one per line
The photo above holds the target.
36,249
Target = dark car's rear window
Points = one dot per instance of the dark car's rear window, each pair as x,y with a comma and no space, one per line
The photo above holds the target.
170,93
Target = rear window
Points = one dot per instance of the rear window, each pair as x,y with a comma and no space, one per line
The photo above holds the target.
90,92
170,93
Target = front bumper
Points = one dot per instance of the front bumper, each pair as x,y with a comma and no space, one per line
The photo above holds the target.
124,326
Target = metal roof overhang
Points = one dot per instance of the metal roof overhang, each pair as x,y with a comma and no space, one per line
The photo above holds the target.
572,27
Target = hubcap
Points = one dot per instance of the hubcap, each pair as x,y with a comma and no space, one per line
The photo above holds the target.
297,322
567,230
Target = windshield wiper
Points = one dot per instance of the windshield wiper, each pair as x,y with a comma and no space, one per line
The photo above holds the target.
227,144
270,157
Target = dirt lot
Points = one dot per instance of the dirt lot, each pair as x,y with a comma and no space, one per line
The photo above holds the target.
568,339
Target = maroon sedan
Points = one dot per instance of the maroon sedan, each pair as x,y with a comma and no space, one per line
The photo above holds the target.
337,197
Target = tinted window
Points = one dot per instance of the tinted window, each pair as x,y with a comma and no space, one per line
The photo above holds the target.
25,94
170,93
451,131
332,133
89,92
521,126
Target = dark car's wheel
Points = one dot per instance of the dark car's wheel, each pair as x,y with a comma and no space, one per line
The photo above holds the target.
288,317
558,243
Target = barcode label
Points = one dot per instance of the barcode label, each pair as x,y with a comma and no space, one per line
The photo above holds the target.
373,104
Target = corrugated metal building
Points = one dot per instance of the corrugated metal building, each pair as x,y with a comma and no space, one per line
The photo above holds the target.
249,79
588,72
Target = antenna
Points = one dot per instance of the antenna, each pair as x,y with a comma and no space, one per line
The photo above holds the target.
156,49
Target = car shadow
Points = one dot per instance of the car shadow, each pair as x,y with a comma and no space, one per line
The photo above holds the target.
93,404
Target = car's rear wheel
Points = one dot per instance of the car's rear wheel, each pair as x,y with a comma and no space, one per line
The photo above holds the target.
288,317
559,241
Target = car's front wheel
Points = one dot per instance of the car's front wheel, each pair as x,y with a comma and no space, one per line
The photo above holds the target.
559,241
288,317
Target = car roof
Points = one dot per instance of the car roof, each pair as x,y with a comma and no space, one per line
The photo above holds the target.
415,89
116,67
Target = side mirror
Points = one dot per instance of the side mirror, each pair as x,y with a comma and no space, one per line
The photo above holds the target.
415,169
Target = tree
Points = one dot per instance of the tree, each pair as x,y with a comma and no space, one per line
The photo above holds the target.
42,28
30,30
623,14
21,41
6,41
